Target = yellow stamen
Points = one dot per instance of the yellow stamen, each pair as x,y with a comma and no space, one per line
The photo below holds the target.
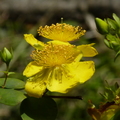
61,32
55,55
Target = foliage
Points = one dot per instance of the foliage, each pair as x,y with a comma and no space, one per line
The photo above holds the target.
57,105
111,30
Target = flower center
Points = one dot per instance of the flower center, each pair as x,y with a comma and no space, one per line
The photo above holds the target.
55,54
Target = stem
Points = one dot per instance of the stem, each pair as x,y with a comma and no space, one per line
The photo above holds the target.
68,97
6,75
61,20
7,66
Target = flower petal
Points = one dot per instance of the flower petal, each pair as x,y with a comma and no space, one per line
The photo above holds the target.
35,88
33,41
56,42
84,70
88,50
32,69
62,86
77,72
78,58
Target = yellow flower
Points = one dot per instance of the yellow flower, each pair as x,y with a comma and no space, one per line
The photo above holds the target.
56,66
61,32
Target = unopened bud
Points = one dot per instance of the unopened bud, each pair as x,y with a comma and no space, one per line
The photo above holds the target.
102,26
107,43
6,55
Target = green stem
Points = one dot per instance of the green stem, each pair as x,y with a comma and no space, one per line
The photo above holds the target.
6,75
68,97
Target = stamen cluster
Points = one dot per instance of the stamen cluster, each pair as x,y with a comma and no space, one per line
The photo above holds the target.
55,55
61,32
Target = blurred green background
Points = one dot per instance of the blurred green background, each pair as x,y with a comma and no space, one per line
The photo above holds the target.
18,17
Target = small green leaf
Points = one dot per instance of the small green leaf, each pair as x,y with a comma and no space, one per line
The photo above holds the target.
12,83
38,109
116,86
117,19
11,73
104,95
26,117
107,43
116,56
112,24
110,37
11,97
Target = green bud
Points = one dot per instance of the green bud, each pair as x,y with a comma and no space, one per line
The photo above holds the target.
107,43
102,26
6,55
115,46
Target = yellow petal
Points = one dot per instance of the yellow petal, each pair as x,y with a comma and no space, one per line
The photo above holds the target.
78,58
33,41
62,83
35,88
88,50
56,42
32,69
84,70
72,74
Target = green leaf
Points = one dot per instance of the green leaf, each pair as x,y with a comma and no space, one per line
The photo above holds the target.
112,24
117,19
116,86
11,97
110,37
38,109
107,43
12,83
11,73
116,56
26,117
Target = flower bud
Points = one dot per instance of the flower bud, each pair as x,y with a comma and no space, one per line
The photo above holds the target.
102,26
6,55
107,43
